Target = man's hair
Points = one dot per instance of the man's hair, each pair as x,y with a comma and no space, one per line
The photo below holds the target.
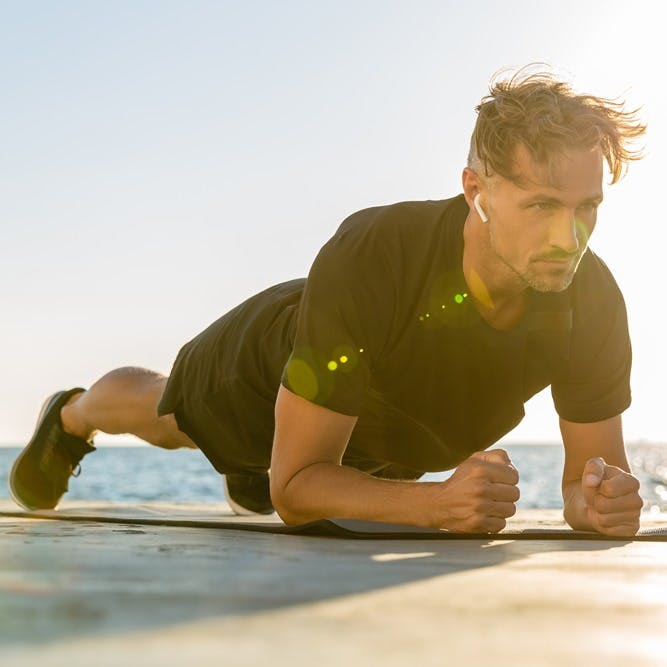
534,109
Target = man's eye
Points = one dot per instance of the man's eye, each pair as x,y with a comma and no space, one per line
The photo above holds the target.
590,206
542,205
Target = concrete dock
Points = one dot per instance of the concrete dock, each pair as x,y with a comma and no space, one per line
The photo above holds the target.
121,594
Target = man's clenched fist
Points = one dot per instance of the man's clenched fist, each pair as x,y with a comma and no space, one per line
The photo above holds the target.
612,498
479,496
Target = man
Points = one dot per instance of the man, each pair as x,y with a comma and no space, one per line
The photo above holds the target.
422,329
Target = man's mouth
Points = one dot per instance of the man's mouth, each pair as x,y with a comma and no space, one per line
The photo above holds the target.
556,261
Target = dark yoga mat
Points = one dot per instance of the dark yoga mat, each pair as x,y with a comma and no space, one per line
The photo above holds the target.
338,528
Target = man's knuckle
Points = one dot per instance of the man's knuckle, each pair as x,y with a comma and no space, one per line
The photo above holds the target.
635,503
480,488
495,525
483,471
478,505
477,523
476,471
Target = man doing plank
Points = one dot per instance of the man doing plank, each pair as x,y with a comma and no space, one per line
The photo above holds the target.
412,346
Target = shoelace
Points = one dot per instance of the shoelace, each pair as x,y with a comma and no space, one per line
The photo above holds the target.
55,439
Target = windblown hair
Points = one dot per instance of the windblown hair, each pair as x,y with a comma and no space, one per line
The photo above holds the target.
534,109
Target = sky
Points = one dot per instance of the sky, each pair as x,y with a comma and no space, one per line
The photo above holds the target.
162,161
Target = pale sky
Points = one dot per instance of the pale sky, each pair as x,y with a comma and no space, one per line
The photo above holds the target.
162,161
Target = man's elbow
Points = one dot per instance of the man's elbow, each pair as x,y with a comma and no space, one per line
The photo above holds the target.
282,508
290,494
288,518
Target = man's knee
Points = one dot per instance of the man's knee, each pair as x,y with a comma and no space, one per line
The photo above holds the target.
168,435
136,375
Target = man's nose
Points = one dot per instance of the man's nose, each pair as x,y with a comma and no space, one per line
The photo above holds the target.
564,233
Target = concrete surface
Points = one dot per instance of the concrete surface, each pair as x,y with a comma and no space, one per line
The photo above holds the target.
115,594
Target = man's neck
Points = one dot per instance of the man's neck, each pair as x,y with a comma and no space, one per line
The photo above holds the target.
499,295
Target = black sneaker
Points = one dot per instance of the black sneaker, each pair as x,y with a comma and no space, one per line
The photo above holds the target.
248,493
39,477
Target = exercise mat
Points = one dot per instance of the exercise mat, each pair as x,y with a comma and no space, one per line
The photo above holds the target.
527,525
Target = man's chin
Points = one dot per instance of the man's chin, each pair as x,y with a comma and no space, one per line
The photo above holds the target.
554,279
543,284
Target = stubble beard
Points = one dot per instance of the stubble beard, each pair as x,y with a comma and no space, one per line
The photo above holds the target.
535,279
541,283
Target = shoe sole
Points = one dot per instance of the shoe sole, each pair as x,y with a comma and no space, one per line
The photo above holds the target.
48,403
239,509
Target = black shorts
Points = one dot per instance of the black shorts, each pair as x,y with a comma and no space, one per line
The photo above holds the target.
224,382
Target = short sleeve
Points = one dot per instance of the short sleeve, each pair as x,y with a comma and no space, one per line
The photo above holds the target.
595,383
344,316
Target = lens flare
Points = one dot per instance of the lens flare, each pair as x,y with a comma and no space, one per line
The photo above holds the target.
302,379
346,357
583,233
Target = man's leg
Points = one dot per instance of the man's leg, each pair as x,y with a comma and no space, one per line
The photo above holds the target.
124,401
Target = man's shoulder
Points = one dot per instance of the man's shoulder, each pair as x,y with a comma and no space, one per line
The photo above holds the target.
402,216
594,287
594,272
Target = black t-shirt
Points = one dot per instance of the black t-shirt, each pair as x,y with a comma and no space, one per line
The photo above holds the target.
386,330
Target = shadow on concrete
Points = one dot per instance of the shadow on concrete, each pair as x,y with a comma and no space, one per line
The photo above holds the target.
61,581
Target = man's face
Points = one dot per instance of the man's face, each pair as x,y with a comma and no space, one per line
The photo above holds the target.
540,229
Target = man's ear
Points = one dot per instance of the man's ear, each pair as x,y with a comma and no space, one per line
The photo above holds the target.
471,185
472,191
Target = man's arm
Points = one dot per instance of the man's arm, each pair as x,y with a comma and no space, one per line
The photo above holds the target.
599,492
308,481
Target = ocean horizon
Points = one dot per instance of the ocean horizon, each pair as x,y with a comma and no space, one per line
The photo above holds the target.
140,473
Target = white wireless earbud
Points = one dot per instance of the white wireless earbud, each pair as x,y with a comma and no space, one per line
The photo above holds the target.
479,208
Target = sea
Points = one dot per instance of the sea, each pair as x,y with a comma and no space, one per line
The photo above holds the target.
144,473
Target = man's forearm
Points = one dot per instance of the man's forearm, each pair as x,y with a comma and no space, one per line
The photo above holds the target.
328,490
574,506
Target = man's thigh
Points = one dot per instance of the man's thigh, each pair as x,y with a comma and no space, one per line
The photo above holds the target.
169,434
